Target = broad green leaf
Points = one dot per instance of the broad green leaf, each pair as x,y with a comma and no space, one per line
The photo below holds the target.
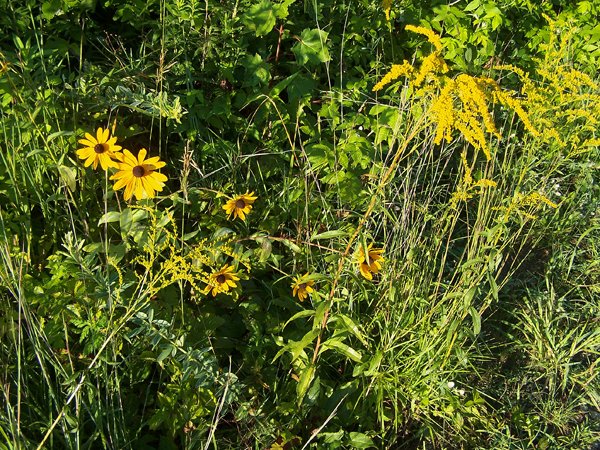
111,216
260,18
311,47
68,175
360,440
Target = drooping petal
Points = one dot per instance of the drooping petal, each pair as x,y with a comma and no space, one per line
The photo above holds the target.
129,190
147,187
139,189
103,161
89,161
153,183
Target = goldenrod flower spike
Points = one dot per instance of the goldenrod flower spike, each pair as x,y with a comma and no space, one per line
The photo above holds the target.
432,37
301,287
221,281
240,205
138,175
100,149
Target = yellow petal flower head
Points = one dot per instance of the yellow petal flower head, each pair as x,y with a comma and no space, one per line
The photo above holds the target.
371,263
138,175
221,281
100,149
240,205
301,287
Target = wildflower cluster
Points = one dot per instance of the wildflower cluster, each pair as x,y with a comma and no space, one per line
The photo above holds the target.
196,264
564,103
368,261
460,103
138,175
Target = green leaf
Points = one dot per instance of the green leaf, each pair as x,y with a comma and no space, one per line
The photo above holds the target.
257,72
352,327
281,9
68,175
299,315
306,377
311,48
360,440
476,320
260,18
340,347
329,234
111,216
297,347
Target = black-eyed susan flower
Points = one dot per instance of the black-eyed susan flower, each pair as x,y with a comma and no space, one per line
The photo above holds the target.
100,149
138,175
302,287
221,281
240,205
371,262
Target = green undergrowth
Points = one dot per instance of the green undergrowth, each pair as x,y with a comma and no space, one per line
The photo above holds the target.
416,265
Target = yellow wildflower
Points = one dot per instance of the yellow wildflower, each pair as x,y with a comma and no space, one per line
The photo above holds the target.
221,281
371,262
395,72
432,37
387,7
138,175
240,205
100,149
301,287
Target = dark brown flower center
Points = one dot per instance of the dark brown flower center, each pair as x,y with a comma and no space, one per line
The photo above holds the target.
138,171
302,287
99,148
221,278
240,204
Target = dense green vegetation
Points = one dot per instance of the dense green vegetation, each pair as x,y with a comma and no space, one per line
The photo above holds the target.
369,237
